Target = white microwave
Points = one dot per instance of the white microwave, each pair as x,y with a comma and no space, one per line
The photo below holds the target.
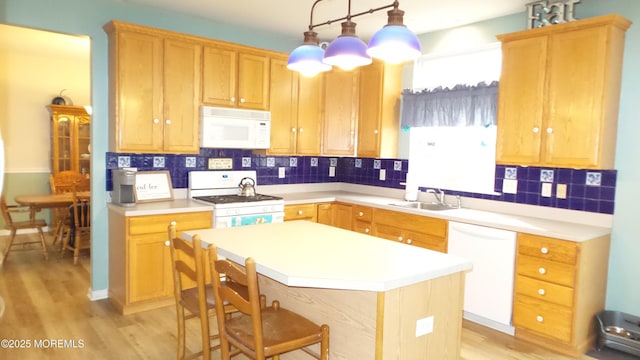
234,128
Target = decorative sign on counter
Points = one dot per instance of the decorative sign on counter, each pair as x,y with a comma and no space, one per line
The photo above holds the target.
153,186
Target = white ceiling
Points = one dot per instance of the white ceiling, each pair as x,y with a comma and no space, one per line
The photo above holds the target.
292,17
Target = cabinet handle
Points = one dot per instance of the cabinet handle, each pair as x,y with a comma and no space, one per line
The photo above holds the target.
536,129
299,212
156,121
366,230
293,129
167,243
242,100
539,319
542,271
301,130
409,241
168,121
400,238
549,130
233,99
375,131
544,250
360,214
541,292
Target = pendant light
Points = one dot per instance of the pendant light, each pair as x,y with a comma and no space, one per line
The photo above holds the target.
394,43
307,58
347,51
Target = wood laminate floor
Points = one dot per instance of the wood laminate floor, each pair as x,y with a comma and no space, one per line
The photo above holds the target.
47,307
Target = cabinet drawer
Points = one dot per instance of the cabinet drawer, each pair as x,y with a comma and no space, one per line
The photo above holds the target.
426,241
545,270
388,232
362,226
543,317
152,224
300,212
548,248
410,222
545,291
362,213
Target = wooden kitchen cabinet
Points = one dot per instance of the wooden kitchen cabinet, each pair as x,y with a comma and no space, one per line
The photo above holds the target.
417,230
301,212
379,110
154,84
140,275
559,288
559,94
335,214
340,112
233,76
70,139
362,218
296,111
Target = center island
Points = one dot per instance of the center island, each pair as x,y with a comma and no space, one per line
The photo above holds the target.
381,299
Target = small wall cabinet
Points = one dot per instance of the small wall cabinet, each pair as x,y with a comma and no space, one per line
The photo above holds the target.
70,139
559,94
234,77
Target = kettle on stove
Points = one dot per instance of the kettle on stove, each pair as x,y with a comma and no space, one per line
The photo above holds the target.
247,187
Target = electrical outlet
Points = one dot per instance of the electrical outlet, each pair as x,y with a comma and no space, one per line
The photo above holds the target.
281,173
546,189
332,171
510,186
561,191
383,174
424,326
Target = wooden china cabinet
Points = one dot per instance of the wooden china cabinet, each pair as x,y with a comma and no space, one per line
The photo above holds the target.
70,139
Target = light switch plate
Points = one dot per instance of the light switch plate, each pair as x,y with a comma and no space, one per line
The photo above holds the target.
383,174
546,189
561,191
509,186
332,171
281,173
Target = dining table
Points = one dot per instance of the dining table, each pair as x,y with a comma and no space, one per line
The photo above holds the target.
37,202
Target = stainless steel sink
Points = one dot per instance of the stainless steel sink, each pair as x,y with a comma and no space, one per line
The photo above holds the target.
423,206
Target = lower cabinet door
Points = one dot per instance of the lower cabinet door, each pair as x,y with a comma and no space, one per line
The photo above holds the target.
149,268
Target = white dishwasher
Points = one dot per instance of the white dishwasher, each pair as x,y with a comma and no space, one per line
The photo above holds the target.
488,291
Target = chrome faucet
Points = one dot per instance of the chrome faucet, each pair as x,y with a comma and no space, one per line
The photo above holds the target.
439,195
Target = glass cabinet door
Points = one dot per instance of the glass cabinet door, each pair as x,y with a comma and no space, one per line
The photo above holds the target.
70,139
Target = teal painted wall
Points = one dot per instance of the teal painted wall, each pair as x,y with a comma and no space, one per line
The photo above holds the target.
86,17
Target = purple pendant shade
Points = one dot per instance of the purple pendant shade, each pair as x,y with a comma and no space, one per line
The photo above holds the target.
307,58
347,51
394,44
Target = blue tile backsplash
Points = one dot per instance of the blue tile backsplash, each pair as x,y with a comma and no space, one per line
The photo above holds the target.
587,190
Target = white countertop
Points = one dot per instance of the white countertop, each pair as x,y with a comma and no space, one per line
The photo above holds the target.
307,254
552,228
161,207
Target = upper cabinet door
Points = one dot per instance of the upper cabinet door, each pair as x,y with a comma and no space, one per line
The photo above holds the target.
521,93
310,110
219,76
283,107
253,81
182,63
340,112
138,92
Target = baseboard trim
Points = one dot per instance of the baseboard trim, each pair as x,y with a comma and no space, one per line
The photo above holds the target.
101,294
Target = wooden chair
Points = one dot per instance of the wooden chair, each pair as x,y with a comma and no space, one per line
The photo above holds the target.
194,299
258,331
14,226
78,234
65,182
